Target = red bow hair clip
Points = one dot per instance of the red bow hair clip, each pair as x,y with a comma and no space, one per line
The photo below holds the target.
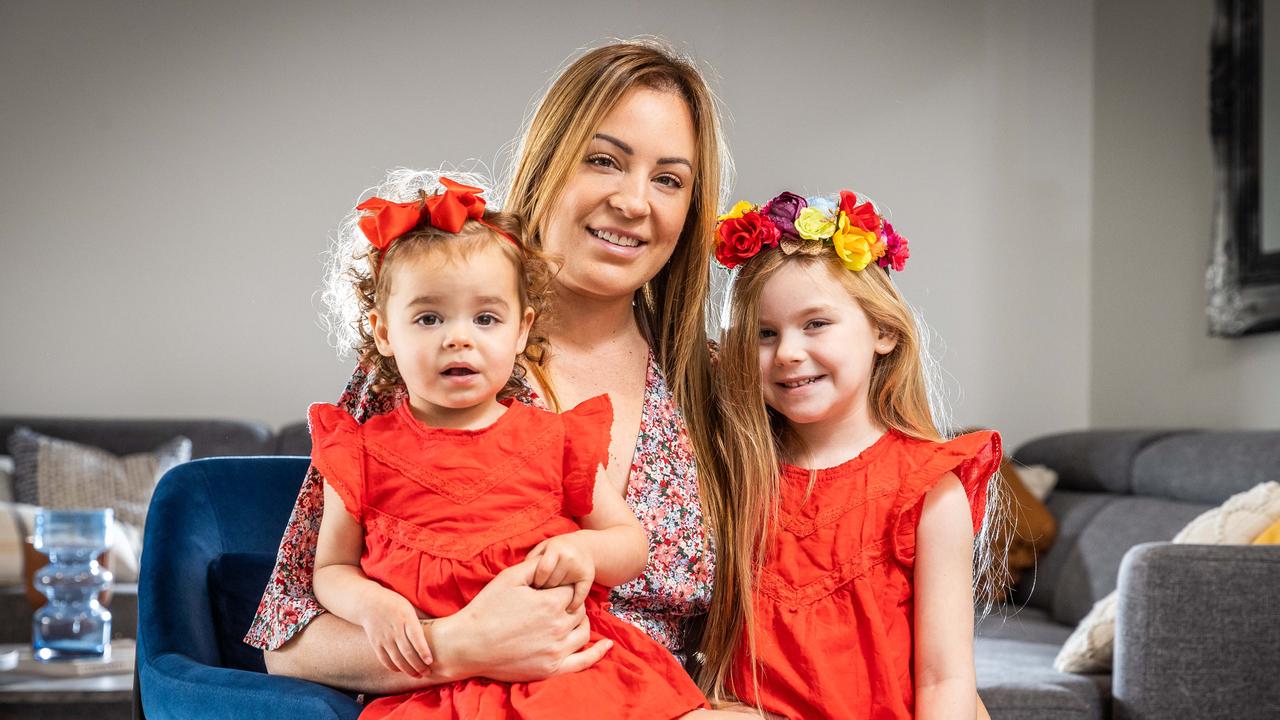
385,222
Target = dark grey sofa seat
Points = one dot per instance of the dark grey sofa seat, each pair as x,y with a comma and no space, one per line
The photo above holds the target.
1121,496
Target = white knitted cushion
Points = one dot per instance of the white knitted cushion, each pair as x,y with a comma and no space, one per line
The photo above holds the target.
1237,521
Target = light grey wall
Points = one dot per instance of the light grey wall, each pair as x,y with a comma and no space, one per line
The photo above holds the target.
169,172
1153,363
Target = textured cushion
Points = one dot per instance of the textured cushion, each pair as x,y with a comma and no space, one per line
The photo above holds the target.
1207,467
1236,522
235,587
209,438
1270,536
1038,480
62,474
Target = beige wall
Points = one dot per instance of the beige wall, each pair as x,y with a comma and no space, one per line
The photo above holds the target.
1152,361
169,172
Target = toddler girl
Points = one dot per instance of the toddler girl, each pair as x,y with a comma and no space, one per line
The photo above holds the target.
425,504
863,516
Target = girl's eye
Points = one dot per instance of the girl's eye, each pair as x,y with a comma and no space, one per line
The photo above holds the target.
428,319
816,324
603,161
486,319
767,334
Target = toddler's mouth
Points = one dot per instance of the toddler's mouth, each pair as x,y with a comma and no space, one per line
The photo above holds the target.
458,371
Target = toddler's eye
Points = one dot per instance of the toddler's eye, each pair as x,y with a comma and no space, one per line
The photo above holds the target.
486,319
428,319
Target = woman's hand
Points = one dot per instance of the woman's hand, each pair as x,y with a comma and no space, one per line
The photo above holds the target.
394,629
513,632
561,560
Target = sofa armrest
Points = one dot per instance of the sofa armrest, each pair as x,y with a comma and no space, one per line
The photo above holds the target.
1198,632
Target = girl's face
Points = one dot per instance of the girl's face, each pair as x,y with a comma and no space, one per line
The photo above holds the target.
455,329
817,346
619,217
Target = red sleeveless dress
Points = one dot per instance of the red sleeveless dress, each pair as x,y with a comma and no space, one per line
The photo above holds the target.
444,511
834,606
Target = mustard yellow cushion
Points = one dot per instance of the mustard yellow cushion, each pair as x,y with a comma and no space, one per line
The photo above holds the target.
1270,536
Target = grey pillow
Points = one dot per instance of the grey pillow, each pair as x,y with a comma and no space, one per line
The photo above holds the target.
56,473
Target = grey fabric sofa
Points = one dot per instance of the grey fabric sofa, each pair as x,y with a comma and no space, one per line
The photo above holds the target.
1198,631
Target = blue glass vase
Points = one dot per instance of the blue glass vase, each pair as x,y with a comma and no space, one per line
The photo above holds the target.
73,624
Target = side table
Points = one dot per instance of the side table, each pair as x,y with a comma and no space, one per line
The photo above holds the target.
99,697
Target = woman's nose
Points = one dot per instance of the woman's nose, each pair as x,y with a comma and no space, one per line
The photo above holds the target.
629,199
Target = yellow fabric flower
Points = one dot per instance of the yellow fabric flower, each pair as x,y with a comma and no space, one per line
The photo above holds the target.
854,246
813,224
741,208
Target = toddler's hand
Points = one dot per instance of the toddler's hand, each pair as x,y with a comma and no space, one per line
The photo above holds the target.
561,561
394,629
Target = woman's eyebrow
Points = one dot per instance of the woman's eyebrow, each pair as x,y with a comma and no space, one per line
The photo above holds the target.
628,150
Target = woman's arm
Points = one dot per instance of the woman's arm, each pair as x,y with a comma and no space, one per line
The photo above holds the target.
611,549
945,683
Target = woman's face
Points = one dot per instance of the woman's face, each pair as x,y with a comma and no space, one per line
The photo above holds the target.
619,216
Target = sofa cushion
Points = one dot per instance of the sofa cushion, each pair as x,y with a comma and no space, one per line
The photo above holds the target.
1016,681
1206,468
1092,564
294,439
236,581
1073,511
1030,624
1093,461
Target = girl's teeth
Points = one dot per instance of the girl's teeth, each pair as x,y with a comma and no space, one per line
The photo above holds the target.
615,239
800,382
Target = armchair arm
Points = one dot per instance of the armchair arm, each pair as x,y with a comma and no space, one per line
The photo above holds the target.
175,686
1198,632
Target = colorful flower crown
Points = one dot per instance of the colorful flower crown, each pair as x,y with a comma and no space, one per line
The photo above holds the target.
852,226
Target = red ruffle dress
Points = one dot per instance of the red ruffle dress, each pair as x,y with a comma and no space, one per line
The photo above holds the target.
445,510
834,606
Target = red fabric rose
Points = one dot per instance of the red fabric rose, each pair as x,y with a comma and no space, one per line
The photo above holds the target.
862,216
743,237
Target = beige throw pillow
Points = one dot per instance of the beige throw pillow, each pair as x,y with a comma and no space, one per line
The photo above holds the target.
61,474
1240,519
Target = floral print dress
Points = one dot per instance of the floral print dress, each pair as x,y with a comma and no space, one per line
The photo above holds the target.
662,491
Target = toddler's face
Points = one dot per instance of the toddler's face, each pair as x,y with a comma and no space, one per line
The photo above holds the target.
454,328
817,346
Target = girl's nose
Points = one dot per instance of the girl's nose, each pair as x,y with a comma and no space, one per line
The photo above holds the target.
458,338
789,352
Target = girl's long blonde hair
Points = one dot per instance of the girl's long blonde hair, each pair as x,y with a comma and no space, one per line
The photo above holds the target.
670,308
754,439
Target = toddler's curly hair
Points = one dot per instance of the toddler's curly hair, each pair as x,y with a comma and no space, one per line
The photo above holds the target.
371,281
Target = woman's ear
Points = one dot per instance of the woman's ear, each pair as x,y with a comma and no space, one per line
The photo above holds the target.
378,328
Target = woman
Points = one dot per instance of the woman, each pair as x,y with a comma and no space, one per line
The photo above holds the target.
619,176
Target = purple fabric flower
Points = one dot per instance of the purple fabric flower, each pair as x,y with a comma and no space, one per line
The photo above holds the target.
783,211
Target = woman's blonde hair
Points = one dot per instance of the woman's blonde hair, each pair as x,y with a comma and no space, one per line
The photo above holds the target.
670,307
754,439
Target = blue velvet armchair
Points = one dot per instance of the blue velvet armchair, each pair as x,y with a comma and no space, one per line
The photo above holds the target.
211,539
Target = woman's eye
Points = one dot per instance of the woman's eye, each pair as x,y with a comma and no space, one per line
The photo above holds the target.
428,319
603,161
670,181
486,319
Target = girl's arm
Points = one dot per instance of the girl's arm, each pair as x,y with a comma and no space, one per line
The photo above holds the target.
389,620
945,682
610,549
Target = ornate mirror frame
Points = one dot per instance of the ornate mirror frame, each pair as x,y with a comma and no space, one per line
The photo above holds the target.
1243,279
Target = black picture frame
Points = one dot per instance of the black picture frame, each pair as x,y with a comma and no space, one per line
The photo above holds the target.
1243,281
